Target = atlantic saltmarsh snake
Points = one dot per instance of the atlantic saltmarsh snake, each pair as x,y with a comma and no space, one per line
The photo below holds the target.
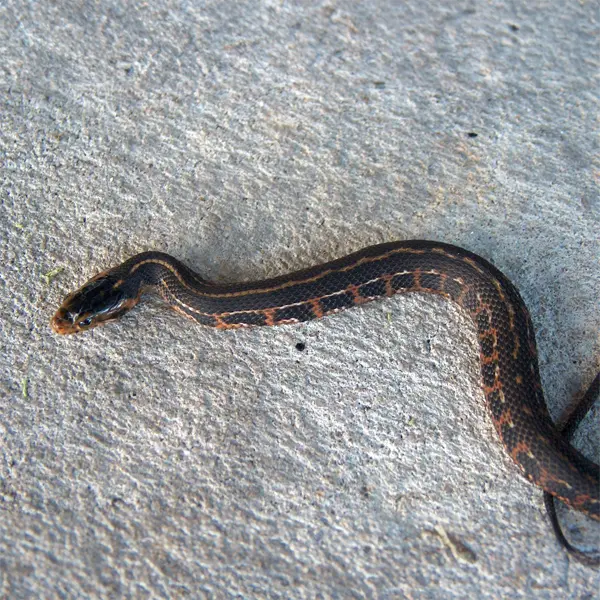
508,355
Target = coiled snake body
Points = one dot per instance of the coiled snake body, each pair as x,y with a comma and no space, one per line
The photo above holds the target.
509,364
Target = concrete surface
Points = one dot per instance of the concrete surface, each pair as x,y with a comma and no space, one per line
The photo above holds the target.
157,459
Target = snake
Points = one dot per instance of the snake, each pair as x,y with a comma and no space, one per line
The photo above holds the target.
510,376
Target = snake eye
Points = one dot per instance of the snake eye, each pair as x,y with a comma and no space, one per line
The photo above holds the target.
85,322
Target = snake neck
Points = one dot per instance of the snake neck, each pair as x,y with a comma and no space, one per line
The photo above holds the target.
156,272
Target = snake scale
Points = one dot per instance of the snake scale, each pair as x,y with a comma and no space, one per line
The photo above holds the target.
509,365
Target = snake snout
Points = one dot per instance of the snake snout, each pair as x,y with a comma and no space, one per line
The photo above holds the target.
63,322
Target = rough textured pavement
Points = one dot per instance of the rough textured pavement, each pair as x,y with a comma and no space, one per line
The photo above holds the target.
157,459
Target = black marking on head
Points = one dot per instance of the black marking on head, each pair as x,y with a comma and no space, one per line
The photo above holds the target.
97,297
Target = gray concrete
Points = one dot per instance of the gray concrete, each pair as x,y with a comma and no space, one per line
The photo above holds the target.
157,459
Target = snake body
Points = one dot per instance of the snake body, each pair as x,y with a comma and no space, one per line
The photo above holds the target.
509,365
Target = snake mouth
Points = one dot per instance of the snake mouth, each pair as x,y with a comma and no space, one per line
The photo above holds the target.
62,322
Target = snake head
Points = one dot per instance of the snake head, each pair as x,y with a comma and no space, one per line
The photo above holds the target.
100,300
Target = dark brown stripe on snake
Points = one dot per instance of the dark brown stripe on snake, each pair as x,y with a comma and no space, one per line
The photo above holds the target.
509,366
